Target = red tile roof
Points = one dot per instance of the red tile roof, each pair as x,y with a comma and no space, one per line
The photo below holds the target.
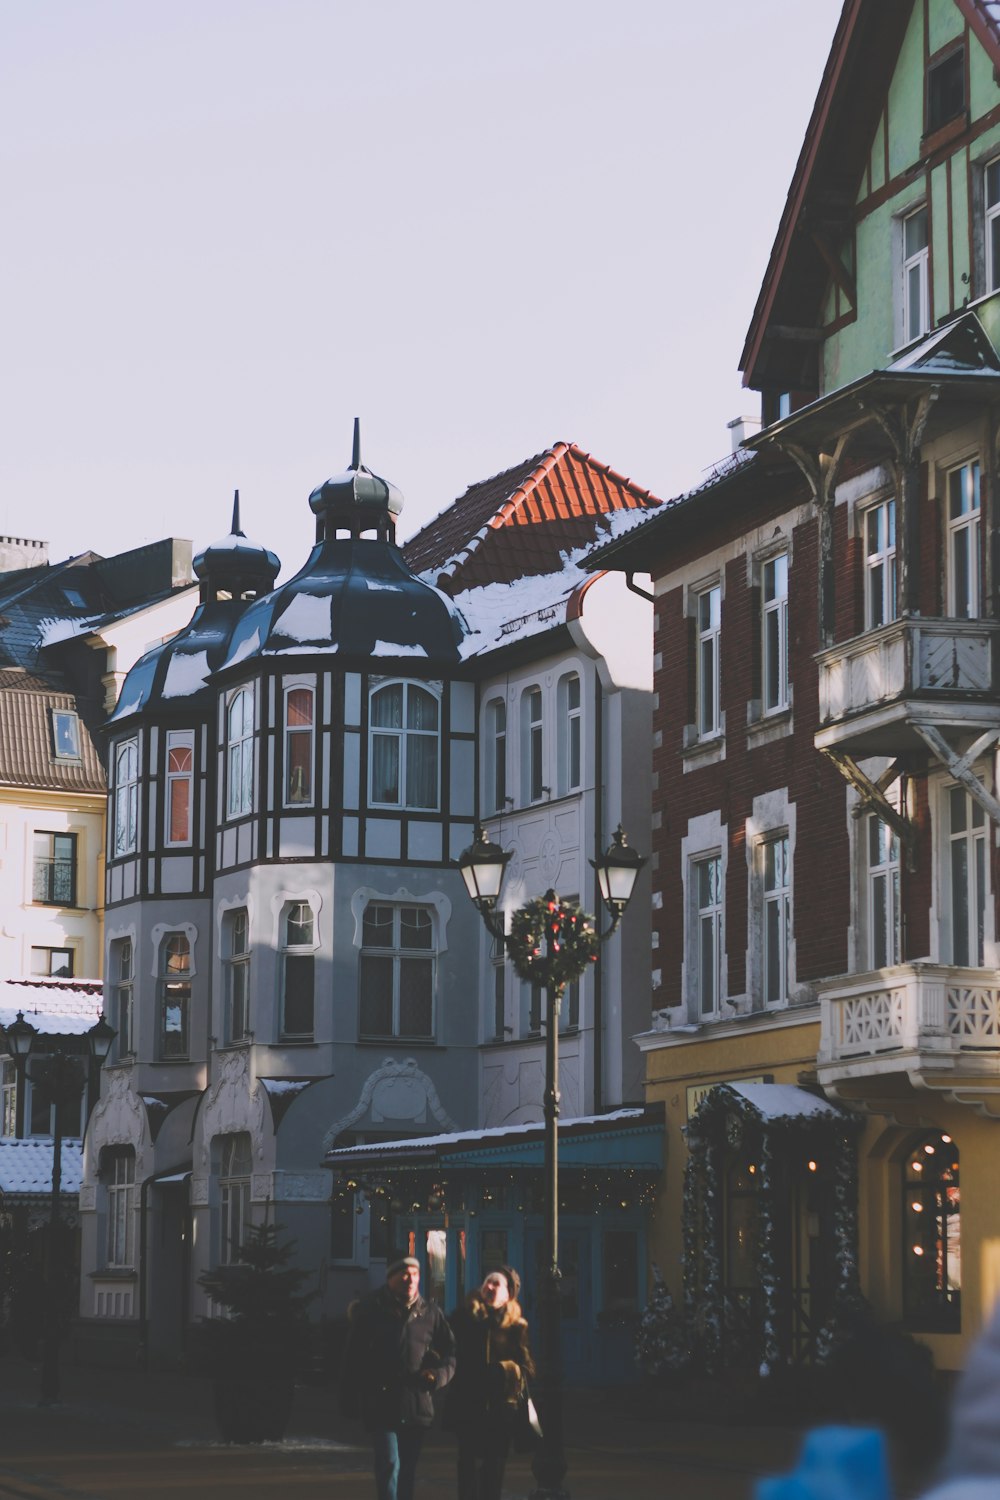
520,522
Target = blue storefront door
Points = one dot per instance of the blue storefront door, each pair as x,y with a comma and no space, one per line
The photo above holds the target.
577,1312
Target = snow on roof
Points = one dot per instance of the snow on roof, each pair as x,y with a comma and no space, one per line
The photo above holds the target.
26,1166
55,1007
307,618
491,1133
278,1086
783,1101
185,675
51,631
498,613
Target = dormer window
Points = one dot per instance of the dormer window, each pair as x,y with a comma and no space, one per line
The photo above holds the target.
65,734
946,90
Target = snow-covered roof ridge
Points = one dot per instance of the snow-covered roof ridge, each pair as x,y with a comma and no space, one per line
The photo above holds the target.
26,1166
624,1116
499,613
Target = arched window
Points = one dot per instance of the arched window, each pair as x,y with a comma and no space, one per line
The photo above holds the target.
174,984
298,964
570,734
180,783
932,1242
299,707
496,755
239,747
404,737
126,797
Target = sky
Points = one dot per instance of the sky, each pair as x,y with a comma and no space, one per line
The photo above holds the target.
232,226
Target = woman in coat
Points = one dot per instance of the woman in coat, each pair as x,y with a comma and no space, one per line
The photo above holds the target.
492,1366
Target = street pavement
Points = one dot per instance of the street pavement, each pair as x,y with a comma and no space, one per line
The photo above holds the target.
116,1435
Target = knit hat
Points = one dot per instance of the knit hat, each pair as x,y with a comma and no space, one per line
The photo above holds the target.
399,1263
513,1280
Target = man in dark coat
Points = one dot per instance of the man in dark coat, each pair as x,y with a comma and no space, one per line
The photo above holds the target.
399,1349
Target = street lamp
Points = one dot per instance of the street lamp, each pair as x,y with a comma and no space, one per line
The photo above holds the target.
60,1075
552,944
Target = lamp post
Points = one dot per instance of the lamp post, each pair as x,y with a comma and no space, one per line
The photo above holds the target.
62,1078
555,945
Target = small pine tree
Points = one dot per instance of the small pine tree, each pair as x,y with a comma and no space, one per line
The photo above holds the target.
263,1297
660,1345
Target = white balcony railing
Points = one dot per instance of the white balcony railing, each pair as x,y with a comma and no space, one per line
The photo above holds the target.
913,1018
906,659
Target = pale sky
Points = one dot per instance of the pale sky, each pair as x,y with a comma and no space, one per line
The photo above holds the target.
230,226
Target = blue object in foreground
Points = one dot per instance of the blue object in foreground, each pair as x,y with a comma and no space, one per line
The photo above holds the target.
836,1463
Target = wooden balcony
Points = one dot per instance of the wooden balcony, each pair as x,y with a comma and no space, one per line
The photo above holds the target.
872,689
938,1025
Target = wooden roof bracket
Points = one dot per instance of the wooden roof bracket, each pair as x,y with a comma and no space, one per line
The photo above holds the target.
872,797
821,470
960,766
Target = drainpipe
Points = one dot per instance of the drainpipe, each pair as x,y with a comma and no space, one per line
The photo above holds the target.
598,828
643,593
143,1326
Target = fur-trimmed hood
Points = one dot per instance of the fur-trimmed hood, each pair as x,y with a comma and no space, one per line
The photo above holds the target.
509,1315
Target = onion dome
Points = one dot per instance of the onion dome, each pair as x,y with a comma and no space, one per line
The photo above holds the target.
356,596
235,568
356,501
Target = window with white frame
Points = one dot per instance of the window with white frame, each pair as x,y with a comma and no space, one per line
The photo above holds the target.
180,786
774,621
404,741
884,924
963,546
966,877
174,987
299,714
709,622
126,797
239,753
991,208
706,892
879,527
298,969
122,968
397,972
916,280
533,786
235,1168
236,976
496,755
777,899
570,734
118,1172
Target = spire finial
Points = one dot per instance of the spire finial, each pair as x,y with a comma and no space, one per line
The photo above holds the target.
235,530
356,457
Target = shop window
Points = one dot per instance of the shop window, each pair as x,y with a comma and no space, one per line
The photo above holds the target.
932,1240
54,869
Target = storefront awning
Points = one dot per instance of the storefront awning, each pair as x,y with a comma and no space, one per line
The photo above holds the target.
624,1138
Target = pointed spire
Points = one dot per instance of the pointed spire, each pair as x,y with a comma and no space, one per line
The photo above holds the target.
356,456
236,529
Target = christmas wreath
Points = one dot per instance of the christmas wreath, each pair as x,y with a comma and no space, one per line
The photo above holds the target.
551,942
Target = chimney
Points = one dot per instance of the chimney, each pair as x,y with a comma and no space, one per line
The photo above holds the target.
743,428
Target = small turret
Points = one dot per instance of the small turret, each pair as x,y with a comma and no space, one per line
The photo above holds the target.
356,501
235,568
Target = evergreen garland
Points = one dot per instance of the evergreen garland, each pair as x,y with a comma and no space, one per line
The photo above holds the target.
660,1345
551,942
